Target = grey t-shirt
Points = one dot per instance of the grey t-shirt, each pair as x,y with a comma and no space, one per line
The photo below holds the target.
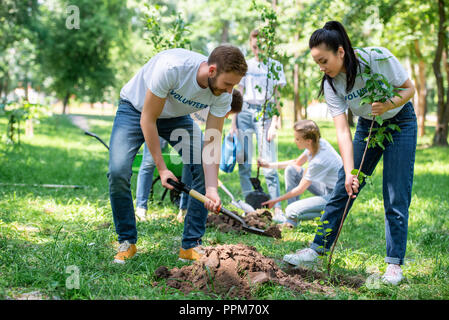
339,102
324,166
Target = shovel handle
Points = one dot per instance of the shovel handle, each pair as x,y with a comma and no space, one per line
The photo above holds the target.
198,196
193,193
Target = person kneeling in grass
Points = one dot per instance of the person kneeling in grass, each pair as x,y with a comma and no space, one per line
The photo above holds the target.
319,177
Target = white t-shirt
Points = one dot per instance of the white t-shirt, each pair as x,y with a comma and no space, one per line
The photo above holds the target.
391,68
324,166
171,74
257,76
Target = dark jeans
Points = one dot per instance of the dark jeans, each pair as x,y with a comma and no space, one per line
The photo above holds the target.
126,140
398,161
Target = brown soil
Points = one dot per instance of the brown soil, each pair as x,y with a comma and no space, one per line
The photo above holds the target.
261,219
233,271
311,275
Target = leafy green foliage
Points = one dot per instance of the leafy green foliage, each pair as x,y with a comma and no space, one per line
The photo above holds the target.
78,61
378,89
267,41
16,112
163,36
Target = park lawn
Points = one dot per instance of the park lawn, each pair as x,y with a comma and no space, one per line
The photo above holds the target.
47,233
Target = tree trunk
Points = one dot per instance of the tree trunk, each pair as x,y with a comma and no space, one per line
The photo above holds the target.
443,117
1,88
65,102
440,137
225,32
421,90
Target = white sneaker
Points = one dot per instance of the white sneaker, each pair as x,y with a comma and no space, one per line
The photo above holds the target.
393,275
141,214
301,256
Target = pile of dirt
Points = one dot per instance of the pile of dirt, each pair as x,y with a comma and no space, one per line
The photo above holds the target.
232,271
261,219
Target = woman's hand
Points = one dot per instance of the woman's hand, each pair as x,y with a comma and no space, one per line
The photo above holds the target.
270,203
352,185
379,108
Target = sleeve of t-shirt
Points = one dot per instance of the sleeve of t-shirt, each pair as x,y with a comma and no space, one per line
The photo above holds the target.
390,67
162,79
221,106
335,103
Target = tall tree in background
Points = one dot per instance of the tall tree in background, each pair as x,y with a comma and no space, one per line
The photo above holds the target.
441,129
16,21
78,60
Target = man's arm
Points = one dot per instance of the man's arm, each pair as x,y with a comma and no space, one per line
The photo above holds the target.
283,164
152,108
211,160
298,190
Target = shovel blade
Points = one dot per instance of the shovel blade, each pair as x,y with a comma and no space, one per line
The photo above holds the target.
256,184
256,231
245,227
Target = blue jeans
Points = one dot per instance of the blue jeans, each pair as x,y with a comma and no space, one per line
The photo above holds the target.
248,124
305,209
398,161
126,140
145,176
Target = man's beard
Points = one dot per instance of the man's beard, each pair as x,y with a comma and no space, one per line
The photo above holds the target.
211,82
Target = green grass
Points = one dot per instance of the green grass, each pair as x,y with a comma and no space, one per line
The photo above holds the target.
43,231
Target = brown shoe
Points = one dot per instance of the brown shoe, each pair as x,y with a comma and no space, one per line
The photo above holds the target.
126,250
192,254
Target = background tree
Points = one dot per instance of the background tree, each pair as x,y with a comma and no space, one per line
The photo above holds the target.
78,61
16,40
441,129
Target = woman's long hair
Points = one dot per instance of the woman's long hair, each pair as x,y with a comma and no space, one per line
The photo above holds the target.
334,35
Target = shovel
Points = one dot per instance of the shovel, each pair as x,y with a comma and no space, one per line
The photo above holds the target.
238,204
257,197
202,198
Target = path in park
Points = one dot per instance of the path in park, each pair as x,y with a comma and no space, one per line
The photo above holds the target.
80,122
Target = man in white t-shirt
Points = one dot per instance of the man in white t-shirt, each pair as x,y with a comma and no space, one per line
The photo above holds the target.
157,102
255,85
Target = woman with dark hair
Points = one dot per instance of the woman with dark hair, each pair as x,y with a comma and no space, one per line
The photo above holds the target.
343,87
